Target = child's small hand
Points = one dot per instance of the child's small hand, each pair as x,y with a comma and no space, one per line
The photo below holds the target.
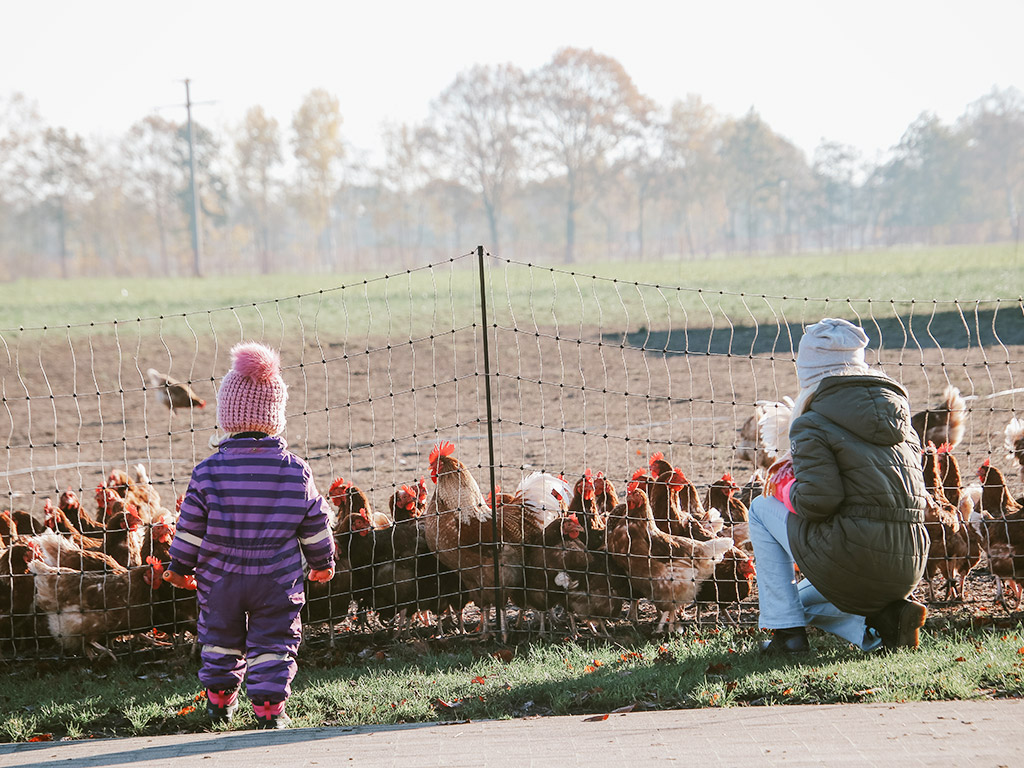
322,574
177,580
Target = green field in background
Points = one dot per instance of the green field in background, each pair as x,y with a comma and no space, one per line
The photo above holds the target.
627,297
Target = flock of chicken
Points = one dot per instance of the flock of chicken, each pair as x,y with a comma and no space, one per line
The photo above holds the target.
579,551
549,546
80,577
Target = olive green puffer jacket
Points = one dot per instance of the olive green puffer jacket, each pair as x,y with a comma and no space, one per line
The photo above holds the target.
858,533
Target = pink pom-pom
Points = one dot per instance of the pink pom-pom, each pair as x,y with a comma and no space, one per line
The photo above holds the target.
256,362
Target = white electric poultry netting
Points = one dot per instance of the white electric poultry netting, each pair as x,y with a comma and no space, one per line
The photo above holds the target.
591,377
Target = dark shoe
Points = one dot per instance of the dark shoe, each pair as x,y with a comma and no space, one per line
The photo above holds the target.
221,705
270,716
898,624
786,641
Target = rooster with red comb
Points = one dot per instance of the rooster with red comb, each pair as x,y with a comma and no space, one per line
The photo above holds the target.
460,530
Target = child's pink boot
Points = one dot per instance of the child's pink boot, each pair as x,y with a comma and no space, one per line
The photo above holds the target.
270,716
221,705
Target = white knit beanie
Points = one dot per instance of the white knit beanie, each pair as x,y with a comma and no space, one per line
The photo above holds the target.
830,347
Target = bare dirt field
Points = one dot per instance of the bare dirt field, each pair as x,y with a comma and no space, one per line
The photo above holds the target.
75,409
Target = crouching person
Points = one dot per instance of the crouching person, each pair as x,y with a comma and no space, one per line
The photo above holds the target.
250,513
847,507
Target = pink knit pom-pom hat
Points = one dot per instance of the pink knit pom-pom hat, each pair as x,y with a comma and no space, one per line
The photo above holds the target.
252,395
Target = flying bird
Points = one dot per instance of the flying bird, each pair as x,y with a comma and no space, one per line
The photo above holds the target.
174,393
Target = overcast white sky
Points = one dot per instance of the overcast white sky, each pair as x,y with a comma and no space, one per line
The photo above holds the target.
854,72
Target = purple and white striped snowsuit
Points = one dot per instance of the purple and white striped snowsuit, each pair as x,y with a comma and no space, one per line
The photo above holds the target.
248,511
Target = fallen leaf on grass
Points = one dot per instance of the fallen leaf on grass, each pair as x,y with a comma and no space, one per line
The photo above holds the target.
595,719
49,737
504,655
865,692
453,704
665,656
479,679
186,710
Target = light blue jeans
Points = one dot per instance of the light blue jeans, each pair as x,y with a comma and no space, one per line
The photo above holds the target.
784,602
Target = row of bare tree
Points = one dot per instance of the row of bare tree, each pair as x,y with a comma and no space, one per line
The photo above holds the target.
564,163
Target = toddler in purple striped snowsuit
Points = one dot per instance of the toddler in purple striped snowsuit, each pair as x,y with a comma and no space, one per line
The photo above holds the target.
250,513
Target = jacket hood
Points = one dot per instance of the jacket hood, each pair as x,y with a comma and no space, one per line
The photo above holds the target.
875,409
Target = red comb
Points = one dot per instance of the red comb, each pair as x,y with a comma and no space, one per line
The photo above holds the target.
336,493
490,500
946,448
727,478
441,449
131,517
632,486
655,458
638,474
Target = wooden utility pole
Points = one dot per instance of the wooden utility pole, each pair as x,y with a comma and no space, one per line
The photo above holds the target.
197,242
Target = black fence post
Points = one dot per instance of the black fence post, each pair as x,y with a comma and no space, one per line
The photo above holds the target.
499,603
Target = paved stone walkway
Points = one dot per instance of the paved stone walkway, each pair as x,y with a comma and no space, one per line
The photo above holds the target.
947,734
